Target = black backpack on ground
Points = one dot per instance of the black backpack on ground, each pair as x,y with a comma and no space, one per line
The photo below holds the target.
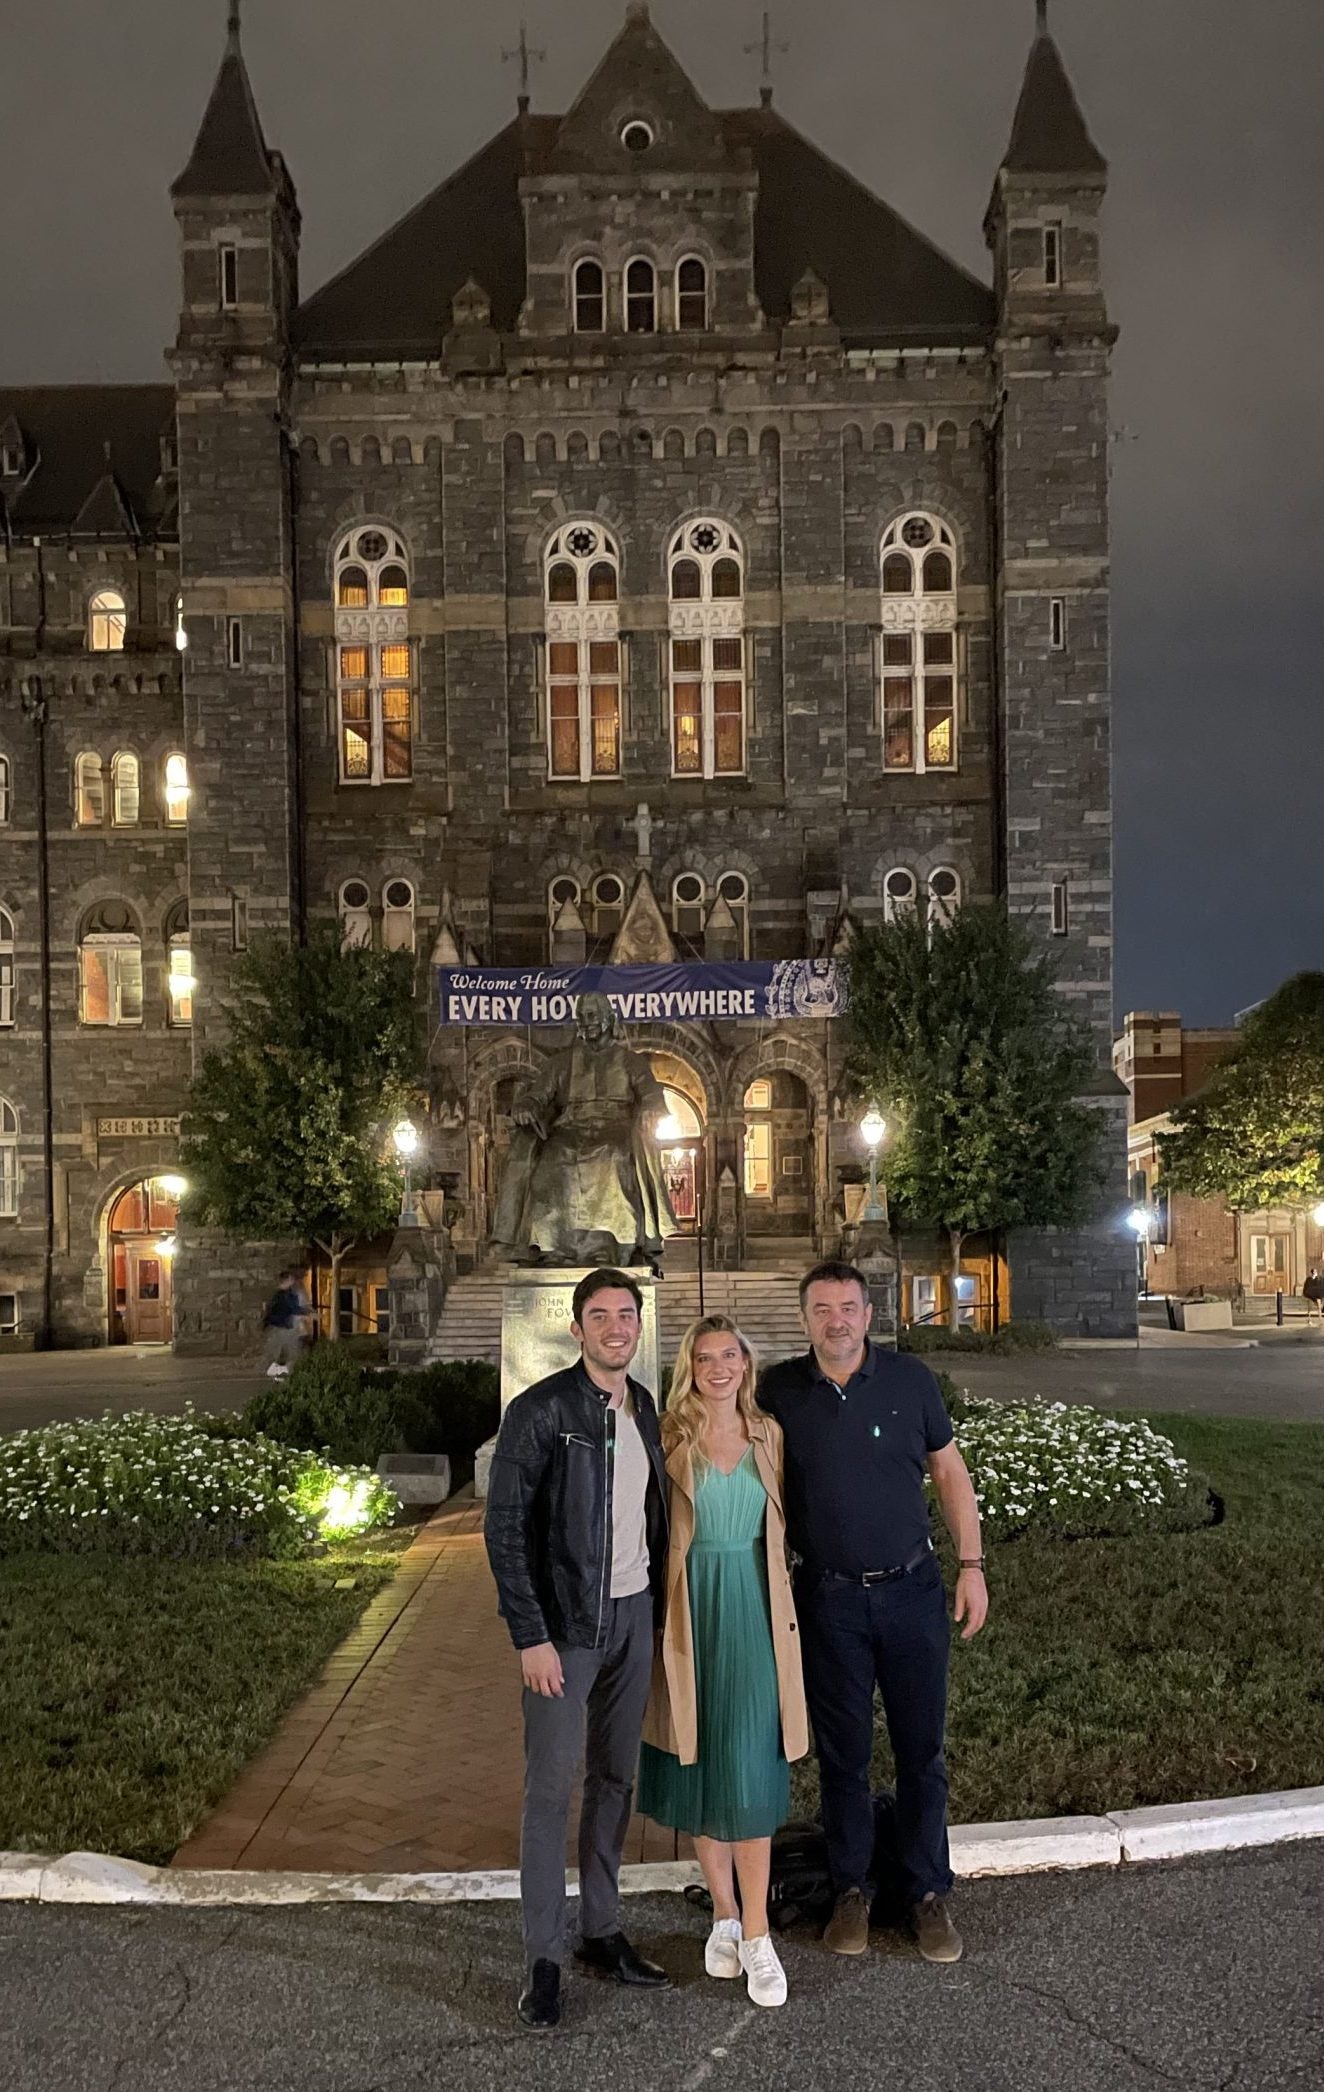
800,1891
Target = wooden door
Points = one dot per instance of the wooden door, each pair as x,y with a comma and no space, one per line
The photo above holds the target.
147,1306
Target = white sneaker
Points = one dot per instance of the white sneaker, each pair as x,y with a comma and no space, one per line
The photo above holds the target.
721,1955
765,1978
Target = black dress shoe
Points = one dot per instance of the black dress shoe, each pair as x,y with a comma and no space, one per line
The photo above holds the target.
615,1958
540,2006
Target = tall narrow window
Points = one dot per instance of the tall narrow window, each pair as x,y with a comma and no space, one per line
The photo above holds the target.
234,642
900,888
398,916
89,791
1052,257
758,1140
944,894
374,659
110,967
176,790
688,895
238,923
692,295
125,794
590,297
107,621
583,654
228,266
8,1191
179,967
355,915
733,888
1057,623
1061,918
7,1016
918,645
606,905
707,651
641,298
4,789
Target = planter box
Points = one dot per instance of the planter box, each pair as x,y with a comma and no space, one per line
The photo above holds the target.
1204,1314
417,1478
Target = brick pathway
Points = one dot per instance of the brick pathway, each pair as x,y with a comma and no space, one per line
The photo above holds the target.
406,1755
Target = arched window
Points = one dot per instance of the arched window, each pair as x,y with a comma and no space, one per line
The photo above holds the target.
6,968
688,895
919,645
900,888
692,295
124,790
706,572
560,891
583,654
8,1160
398,916
89,791
590,297
758,1139
107,621
606,905
640,297
355,915
374,659
179,967
733,888
181,629
176,790
944,894
110,966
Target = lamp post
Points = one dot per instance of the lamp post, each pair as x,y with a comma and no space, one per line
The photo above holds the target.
1317,1215
407,1142
873,1132
1141,1221
669,1133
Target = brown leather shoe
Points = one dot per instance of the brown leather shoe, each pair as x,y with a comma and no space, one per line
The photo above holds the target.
848,1927
937,1937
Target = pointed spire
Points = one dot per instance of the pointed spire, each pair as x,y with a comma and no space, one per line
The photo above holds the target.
1049,135
229,156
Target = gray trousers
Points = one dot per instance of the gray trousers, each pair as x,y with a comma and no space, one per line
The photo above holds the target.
596,1725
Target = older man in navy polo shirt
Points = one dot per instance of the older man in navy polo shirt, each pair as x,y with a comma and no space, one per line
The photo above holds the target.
862,1428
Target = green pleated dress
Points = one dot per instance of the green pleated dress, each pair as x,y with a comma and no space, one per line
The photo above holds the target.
740,1787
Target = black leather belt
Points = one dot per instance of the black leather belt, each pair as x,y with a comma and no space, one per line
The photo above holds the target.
880,1576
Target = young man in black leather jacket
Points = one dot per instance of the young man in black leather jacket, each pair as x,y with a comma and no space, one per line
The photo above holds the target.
576,1535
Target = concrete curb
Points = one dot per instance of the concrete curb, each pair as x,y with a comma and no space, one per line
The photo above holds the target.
979,1850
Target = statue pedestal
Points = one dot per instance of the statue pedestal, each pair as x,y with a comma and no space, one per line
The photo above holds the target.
536,1312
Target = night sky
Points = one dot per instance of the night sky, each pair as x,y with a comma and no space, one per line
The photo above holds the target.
1210,114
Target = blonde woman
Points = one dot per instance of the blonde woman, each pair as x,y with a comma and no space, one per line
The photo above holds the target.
728,1708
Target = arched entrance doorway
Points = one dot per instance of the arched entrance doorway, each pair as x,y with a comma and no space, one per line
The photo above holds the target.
778,1157
681,1159
140,1247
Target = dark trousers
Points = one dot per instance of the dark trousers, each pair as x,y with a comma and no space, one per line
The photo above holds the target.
596,1725
894,1635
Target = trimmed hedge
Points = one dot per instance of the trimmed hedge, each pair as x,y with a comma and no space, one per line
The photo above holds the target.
331,1403
924,1337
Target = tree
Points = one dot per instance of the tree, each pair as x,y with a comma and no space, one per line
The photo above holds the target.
288,1124
1254,1135
959,1035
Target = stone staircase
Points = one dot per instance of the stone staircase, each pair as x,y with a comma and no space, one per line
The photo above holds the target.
765,1305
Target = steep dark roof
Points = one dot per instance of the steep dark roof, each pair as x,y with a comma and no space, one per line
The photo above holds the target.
229,156
1049,135
640,72
888,285
106,513
67,428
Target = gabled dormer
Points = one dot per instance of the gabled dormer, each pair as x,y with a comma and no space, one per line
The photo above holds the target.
638,211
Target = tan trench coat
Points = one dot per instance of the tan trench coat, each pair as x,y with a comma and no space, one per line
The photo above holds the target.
672,1722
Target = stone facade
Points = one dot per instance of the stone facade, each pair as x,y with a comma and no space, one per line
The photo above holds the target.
846,378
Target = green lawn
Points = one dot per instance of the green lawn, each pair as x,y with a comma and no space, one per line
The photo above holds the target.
1118,1673
134,1691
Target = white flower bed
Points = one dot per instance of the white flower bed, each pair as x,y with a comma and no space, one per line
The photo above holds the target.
1068,1469
141,1484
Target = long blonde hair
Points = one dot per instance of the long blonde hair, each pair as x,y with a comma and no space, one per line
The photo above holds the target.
686,1418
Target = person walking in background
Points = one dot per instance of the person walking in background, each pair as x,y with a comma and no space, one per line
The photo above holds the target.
1313,1290
576,1536
728,1710
286,1324
862,1427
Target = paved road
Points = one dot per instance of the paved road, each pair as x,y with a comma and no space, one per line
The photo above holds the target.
1204,1976
1281,1377
46,1387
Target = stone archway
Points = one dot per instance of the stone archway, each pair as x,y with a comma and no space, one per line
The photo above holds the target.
136,1239
778,1098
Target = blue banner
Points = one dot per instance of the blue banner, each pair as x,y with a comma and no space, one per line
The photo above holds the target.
697,994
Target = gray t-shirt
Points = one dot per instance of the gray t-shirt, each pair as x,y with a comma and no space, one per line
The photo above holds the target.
629,1536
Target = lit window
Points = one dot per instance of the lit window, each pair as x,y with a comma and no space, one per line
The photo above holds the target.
181,629
758,1140
944,894
179,978
8,1199
900,888
89,791
733,888
918,645
355,915
692,295
641,298
6,968
688,895
4,789
398,916
125,794
110,967
374,659
107,621
176,790
590,298
583,654
707,620
228,271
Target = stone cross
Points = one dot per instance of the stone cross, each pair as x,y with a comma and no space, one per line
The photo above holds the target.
527,57
642,825
765,50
